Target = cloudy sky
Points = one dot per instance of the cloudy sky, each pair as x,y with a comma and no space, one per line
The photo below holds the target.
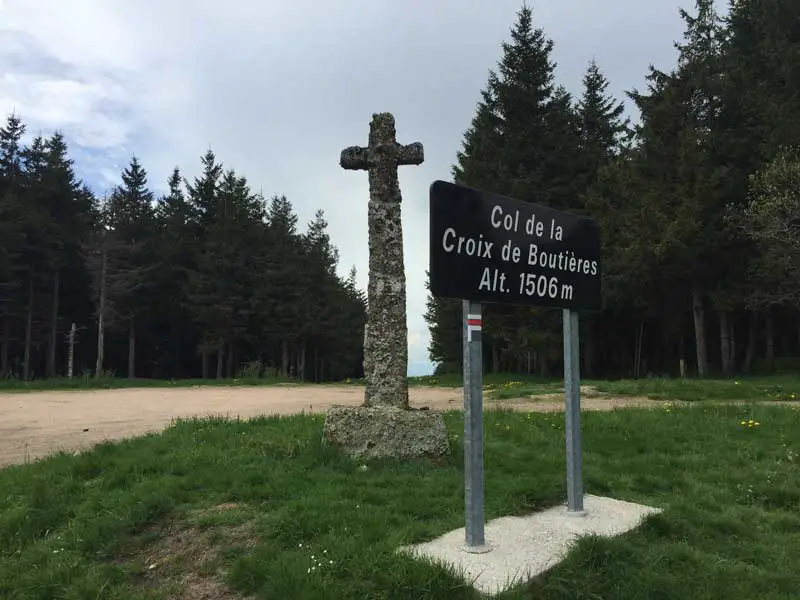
278,87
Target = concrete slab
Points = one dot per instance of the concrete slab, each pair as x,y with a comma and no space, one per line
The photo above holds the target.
520,548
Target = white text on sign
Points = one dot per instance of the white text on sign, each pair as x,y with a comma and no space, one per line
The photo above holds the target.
564,260
533,225
530,284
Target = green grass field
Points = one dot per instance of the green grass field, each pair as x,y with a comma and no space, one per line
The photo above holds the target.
261,509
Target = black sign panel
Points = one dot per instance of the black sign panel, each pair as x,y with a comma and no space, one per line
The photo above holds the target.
489,248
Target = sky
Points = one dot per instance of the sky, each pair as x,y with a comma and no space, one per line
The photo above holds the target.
277,88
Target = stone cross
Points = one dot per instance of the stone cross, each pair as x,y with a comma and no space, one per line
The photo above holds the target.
386,332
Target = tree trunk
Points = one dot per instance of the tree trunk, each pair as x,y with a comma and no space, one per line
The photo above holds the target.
699,331
725,342
101,317
5,343
50,368
732,360
132,348
637,357
770,341
175,338
316,365
220,351
495,359
752,335
26,360
204,362
71,351
285,359
231,372
301,362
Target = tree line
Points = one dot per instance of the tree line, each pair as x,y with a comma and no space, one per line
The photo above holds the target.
698,201
208,280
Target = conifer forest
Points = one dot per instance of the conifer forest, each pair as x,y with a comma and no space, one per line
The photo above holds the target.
211,280
698,200
697,194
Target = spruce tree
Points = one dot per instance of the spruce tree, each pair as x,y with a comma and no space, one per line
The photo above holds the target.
602,140
320,307
279,293
522,142
202,196
12,239
203,191
682,171
220,287
174,254
602,126
131,215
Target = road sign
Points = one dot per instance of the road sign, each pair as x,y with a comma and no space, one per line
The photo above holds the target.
489,248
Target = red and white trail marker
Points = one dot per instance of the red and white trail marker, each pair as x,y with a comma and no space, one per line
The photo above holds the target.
474,324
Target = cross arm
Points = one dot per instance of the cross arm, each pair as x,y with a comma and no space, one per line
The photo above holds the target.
412,154
355,158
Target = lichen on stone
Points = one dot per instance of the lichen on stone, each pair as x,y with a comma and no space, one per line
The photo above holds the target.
386,432
386,332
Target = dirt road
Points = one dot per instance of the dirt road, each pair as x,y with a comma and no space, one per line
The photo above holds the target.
35,424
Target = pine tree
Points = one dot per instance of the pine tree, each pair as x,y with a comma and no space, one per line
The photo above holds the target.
131,216
202,197
682,170
478,160
174,255
602,127
278,294
318,308
444,319
346,357
69,212
523,142
202,271
220,288
12,218
203,191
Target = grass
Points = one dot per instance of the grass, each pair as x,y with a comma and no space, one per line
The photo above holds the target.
110,383
262,509
784,387
507,387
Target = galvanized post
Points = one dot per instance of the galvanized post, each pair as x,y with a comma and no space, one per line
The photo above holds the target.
473,429
572,396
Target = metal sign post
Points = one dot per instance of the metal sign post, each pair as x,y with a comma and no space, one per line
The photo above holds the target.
572,413
473,428
487,248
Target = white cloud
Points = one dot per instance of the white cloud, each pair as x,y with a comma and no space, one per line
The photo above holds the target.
277,89
71,105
